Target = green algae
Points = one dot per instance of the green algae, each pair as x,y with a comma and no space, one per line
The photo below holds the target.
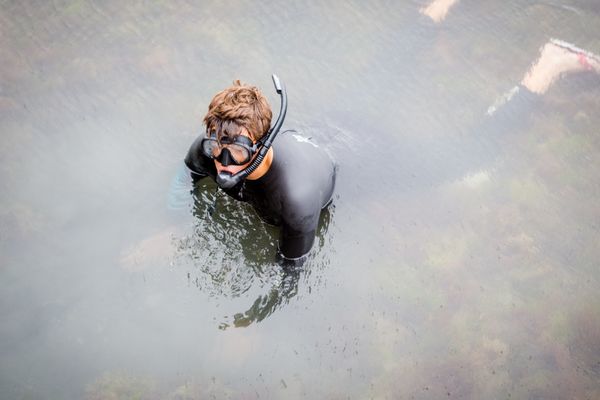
120,386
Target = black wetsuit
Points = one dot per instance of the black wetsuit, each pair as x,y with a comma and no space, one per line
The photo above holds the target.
291,194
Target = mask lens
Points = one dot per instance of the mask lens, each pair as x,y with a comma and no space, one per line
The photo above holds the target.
240,154
211,148
239,151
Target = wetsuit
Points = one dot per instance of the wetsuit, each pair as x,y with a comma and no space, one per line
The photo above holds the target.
291,194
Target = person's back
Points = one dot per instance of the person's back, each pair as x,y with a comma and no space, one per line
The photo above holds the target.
297,186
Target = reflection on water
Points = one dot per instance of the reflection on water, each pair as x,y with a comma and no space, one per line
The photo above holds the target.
230,252
460,260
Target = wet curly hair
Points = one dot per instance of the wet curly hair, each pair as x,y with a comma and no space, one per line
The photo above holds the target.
240,105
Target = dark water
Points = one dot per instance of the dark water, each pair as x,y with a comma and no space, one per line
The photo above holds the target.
454,263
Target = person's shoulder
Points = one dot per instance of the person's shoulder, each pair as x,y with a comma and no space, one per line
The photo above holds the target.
195,160
296,137
298,148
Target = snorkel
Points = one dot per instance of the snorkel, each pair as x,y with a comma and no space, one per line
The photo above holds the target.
226,180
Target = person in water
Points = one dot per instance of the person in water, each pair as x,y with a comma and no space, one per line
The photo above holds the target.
288,181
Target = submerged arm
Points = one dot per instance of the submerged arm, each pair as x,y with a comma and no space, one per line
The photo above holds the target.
300,220
293,243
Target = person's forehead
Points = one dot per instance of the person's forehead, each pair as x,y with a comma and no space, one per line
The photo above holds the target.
233,130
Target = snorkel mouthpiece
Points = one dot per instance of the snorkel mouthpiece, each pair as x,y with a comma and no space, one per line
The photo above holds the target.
226,180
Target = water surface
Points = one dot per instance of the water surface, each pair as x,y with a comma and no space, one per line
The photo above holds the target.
453,263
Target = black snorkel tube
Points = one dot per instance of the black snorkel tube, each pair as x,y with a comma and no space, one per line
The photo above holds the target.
225,180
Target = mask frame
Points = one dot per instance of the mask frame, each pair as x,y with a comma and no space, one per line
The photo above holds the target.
227,154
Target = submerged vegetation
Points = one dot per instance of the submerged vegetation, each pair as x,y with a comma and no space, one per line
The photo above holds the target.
480,285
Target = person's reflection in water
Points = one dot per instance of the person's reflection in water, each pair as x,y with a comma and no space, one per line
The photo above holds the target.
267,304
286,282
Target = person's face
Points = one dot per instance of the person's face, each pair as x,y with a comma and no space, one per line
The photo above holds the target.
234,169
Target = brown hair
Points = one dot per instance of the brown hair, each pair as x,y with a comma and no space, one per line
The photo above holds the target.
239,106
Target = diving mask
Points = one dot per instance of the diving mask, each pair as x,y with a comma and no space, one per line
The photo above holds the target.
229,151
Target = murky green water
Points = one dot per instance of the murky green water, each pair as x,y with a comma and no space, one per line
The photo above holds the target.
454,263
